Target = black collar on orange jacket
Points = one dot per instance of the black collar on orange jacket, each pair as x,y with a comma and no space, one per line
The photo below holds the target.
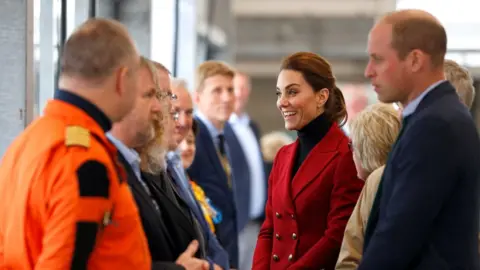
89,108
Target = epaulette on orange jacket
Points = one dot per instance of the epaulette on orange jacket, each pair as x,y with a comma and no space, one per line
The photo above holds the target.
65,204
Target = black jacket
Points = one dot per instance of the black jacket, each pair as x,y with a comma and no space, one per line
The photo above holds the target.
170,229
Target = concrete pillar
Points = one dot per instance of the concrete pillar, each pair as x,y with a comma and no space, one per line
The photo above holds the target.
47,56
223,21
16,69
187,42
161,32
136,15
151,23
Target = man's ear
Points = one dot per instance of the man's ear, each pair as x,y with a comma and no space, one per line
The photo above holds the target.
196,97
120,77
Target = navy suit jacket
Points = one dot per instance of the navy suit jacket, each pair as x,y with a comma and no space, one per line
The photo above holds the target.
428,211
241,176
207,171
215,252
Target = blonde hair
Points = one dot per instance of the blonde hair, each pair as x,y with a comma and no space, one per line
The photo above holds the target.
152,154
373,132
209,69
461,79
272,142
96,49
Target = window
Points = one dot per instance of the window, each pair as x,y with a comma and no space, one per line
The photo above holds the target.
47,16
462,26
163,32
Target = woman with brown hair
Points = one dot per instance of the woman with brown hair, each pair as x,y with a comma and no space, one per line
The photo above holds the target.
313,186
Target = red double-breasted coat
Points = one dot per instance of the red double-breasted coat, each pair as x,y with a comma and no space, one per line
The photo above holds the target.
306,216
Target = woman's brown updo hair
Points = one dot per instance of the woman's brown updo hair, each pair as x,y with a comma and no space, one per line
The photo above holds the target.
317,72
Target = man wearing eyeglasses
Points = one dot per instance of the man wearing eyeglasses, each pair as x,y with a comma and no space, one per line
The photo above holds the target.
182,114
174,238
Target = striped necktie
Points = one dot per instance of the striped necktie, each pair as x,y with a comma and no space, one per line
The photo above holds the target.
224,159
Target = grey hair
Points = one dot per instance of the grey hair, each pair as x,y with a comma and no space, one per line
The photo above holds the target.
461,79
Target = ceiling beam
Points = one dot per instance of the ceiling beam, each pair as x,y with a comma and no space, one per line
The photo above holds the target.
312,8
343,70
269,51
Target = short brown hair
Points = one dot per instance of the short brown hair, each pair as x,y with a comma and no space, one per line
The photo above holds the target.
96,49
416,29
209,69
461,79
317,72
161,67
153,67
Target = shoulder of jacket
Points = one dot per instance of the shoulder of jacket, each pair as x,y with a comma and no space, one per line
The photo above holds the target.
344,145
77,136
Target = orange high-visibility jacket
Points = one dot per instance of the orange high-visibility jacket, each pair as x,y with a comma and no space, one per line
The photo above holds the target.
64,201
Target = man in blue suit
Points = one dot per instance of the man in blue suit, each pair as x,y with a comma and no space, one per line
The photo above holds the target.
211,168
426,212
182,110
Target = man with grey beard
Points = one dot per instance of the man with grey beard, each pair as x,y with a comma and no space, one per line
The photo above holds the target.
160,212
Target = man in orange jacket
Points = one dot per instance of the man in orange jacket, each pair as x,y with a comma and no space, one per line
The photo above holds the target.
65,202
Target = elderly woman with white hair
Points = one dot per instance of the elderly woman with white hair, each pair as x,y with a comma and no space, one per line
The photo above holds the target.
271,144
373,133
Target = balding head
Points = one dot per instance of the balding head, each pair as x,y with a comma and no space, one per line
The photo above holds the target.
417,30
183,108
100,63
97,49
407,49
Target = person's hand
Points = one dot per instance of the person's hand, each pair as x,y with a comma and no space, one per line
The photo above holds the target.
217,267
188,261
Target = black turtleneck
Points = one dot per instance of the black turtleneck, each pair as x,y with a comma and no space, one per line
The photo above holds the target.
309,136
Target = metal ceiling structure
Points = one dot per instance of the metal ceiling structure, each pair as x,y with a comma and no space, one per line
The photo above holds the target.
268,30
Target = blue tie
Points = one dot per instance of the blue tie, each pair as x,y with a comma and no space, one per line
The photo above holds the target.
181,179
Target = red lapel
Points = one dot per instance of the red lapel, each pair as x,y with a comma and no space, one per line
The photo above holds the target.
316,161
284,175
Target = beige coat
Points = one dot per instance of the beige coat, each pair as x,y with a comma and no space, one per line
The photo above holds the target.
352,245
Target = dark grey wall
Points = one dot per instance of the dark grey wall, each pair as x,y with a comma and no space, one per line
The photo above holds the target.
14,75
262,105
